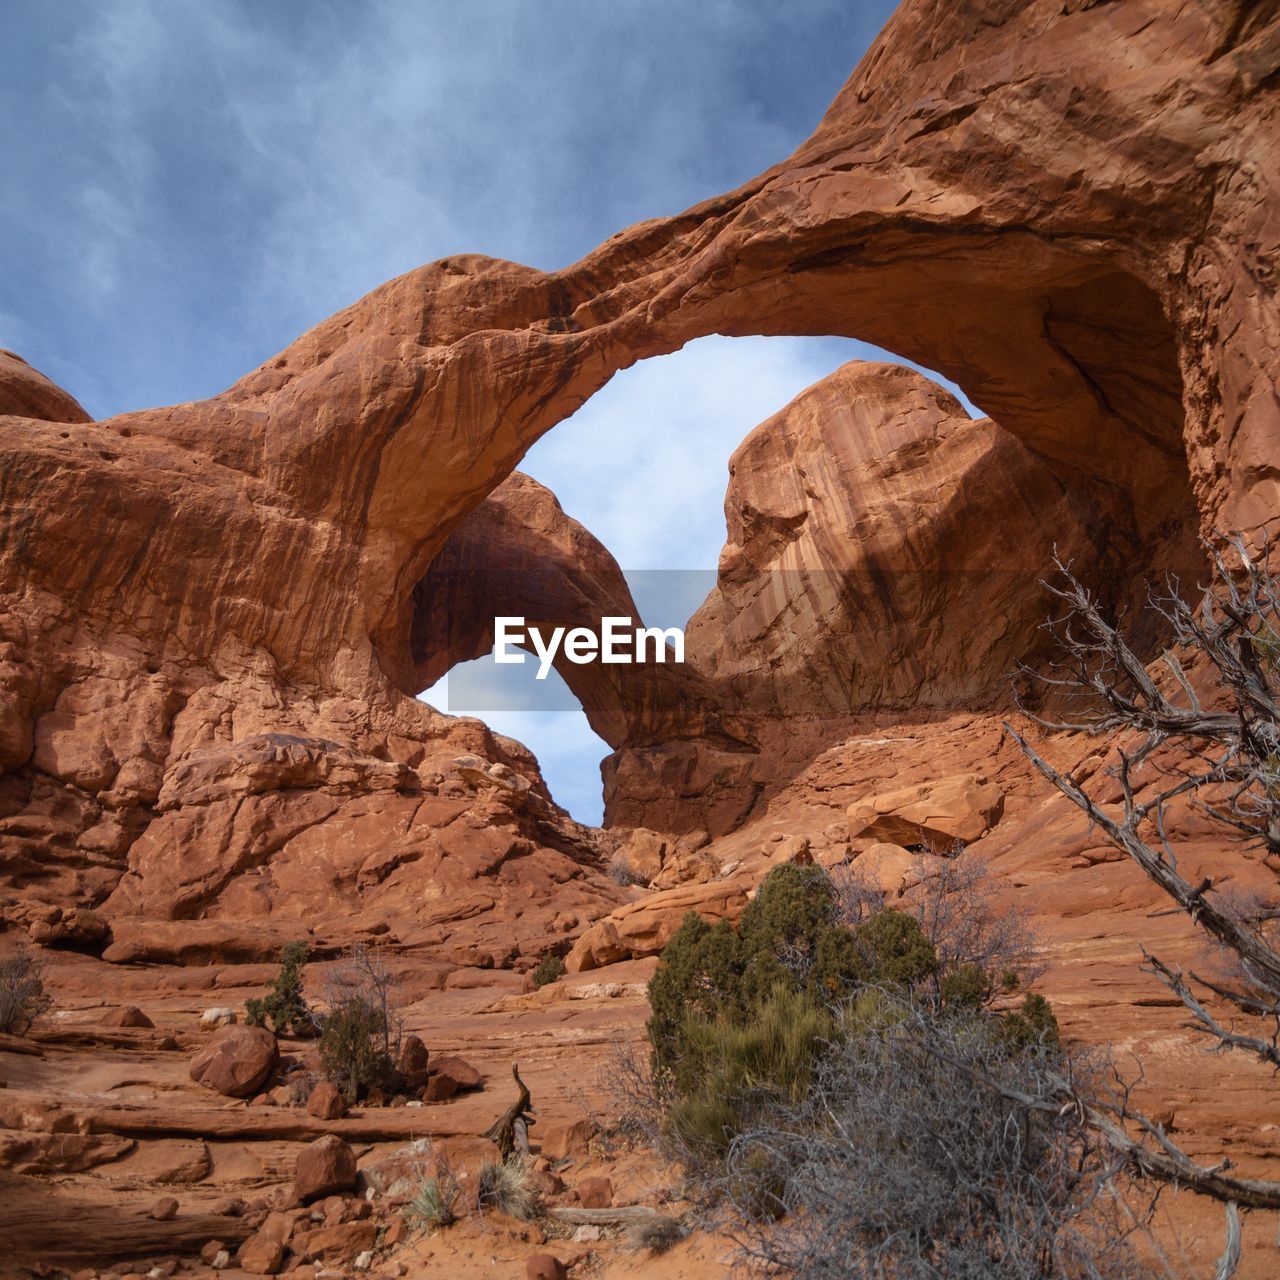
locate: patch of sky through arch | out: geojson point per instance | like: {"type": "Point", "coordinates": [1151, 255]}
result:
{"type": "Point", "coordinates": [643, 465]}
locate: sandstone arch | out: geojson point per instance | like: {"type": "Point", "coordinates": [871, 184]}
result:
{"type": "Point", "coordinates": [1018, 202]}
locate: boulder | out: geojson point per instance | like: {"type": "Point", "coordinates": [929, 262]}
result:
{"type": "Point", "coordinates": [450, 1067]}
{"type": "Point", "coordinates": [220, 1016]}
{"type": "Point", "coordinates": [127, 1015]}
{"type": "Point", "coordinates": [414, 1062]}
{"type": "Point", "coordinates": [687, 866]}
{"type": "Point", "coordinates": [957, 809]}
{"type": "Point", "coordinates": [261, 1255]}
{"type": "Point", "coordinates": [164, 1210]}
{"type": "Point", "coordinates": [237, 1062]}
{"type": "Point", "coordinates": [640, 858]}
{"type": "Point", "coordinates": [326, 1165]}
{"type": "Point", "coordinates": [439, 1089]}
{"type": "Point", "coordinates": [326, 1101]}
{"type": "Point", "coordinates": [792, 849]}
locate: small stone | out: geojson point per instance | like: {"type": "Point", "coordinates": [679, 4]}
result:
{"type": "Point", "coordinates": [165, 1210]}
{"type": "Point", "coordinates": [221, 1260]}
{"type": "Point", "coordinates": [587, 1235]}
{"type": "Point", "coordinates": [211, 1250]}
{"type": "Point", "coordinates": [561, 1142]}
{"type": "Point", "coordinates": [596, 1193]}
{"type": "Point", "coordinates": [545, 1266]}
{"type": "Point", "coordinates": [363, 1261]}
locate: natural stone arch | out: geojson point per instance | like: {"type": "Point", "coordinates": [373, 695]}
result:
{"type": "Point", "coordinates": [944, 209]}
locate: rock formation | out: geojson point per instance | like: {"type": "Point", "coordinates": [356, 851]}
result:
{"type": "Point", "coordinates": [1017, 201]}
{"type": "Point", "coordinates": [214, 616]}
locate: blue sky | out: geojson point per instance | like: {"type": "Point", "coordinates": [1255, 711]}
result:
{"type": "Point", "coordinates": [192, 183]}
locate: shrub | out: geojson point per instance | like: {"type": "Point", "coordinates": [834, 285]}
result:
{"type": "Point", "coordinates": [745, 1066]}
{"type": "Point", "coordinates": [1032, 1026]}
{"type": "Point", "coordinates": [432, 1205]}
{"type": "Point", "coordinates": [790, 936]}
{"type": "Point", "coordinates": [283, 1006]}
{"type": "Point", "coordinates": [22, 994]}
{"type": "Point", "coordinates": [658, 1233]}
{"type": "Point", "coordinates": [505, 1185]}
{"type": "Point", "coordinates": [621, 871]}
{"type": "Point", "coordinates": [927, 1147]}
{"type": "Point", "coordinates": [360, 1034]}
{"type": "Point", "coordinates": [549, 969]}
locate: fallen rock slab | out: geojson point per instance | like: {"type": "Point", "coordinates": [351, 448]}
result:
{"type": "Point", "coordinates": [961, 808]}
{"type": "Point", "coordinates": [643, 928]}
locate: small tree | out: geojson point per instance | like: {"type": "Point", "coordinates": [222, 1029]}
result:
{"type": "Point", "coordinates": [283, 1006]}
{"type": "Point", "coordinates": [361, 1032]}
{"type": "Point", "coordinates": [22, 994]}
{"type": "Point", "coordinates": [1202, 727]}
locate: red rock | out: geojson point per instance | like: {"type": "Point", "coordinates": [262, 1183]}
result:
{"type": "Point", "coordinates": [326, 1101]}
{"type": "Point", "coordinates": [960, 809]}
{"type": "Point", "coordinates": [596, 1193]}
{"type": "Point", "coordinates": [545, 1266]}
{"type": "Point", "coordinates": [210, 1250]}
{"type": "Point", "coordinates": [644, 927]}
{"type": "Point", "coordinates": [450, 1067]}
{"type": "Point", "coordinates": [260, 1255]}
{"type": "Point", "coordinates": [237, 1062]}
{"type": "Point", "coordinates": [568, 1141]}
{"type": "Point", "coordinates": [414, 1061]}
{"type": "Point", "coordinates": [126, 1016]}
{"type": "Point", "coordinates": [339, 1242]}
{"type": "Point", "coordinates": [164, 1210]}
{"type": "Point", "coordinates": [277, 1226]}
{"type": "Point", "coordinates": [439, 1088]}
{"type": "Point", "coordinates": [324, 1166]}
{"type": "Point", "coordinates": [208, 671]}
{"type": "Point", "coordinates": [26, 393]}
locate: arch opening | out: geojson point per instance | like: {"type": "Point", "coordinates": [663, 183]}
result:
{"type": "Point", "coordinates": [732, 705]}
